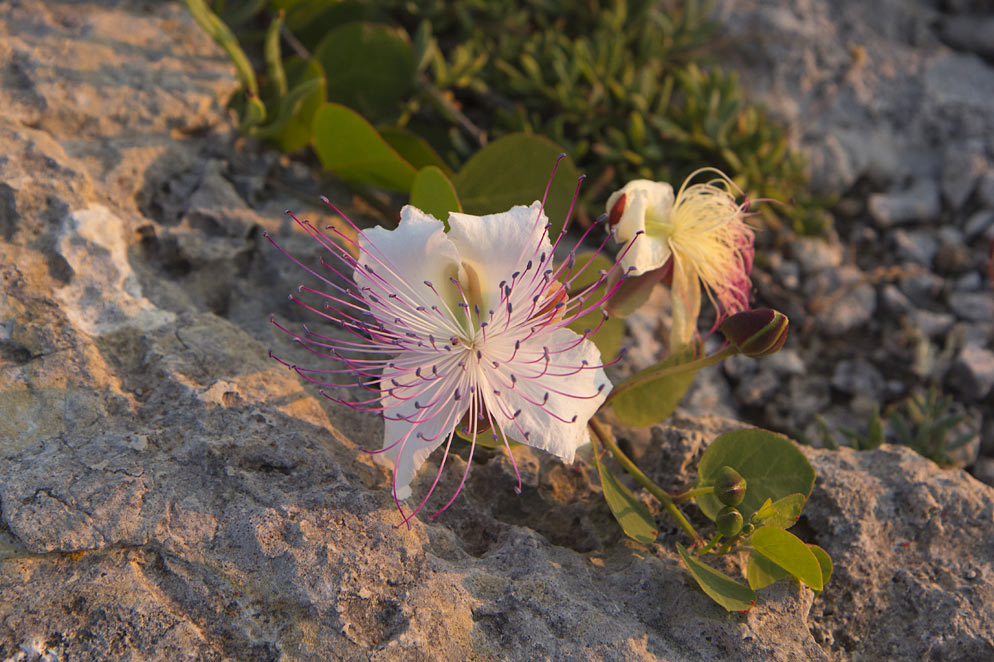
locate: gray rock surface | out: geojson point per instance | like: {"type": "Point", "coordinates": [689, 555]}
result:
{"type": "Point", "coordinates": [167, 492]}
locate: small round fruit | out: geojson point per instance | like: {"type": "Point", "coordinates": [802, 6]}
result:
{"type": "Point", "coordinates": [729, 521]}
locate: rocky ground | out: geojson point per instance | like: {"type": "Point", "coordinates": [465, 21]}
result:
{"type": "Point", "coordinates": [168, 492]}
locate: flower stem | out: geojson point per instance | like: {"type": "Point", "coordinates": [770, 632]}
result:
{"type": "Point", "coordinates": [659, 371]}
{"type": "Point", "coordinates": [605, 438]}
{"type": "Point", "coordinates": [690, 494]}
{"type": "Point", "coordinates": [714, 541]}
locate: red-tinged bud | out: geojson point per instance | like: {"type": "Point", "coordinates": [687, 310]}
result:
{"type": "Point", "coordinates": [756, 333]}
{"type": "Point", "coordinates": [616, 211]}
{"type": "Point", "coordinates": [729, 486]}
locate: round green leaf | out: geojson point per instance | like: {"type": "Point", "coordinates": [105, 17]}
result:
{"type": "Point", "coordinates": [369, 67]}
{"type": "Point", "coordinates": [587, 270]}
{"type": "Point", "coordinates": [721, 588]}
{"type": "Point", "coordinates": [790, 553]}
{"type": "Point", "coordinates": [413, 148]}
{"type": "Point", "coordinates": [433, 193]}
{"type": "Point", "coordinates": [655, 400]}
{"type": "Point", "coordinates": [762, 572]}
{"type": "Point", "coordinates": [349, 146]}
{"type": "Point", "coordinates": [514, 171]}
{"type": "Point", "coordinates": [771, 465]}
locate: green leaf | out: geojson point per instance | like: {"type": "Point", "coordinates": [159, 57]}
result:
{"type": "Point", "coordinates": [771, 465]}
{"type": "Point", "coordinates": [655, 400]}
{"type": "Point", "coordinates": [721, 588]}
{"type": "Point", "coordinates": [413, 148]}
{"type": "Point", "coordinates": [349, 146]}
{"type": "Point", "coordinates": [369, 67]}
{"type": "Point", "coordinates": [761, 572]}
{"type": "Point", "coordinates": [790, 553]}
{"type": "Point", "coordinates": [825, 561]}
{"type": "Point", "coordinates": [514, 171]}
{"type": "Point", "coordinates": [297, 130]}
{"type": "Point", "coordinates": [433, 193]}
{"type": "Point", "coordinates": [310, 20]}
{"type": "Point", "coordinates": [631, 513]}
{"type": "Point", "coordinates": [612, 331]}
{"type": "Point", "coordinates": [786, 511]}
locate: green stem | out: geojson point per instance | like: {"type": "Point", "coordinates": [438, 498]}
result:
{"type": "Point", "coordinates": [710, 545]}
{"type": "Point", "coordinates": [690, 494]}
{"type": "Point", "coordinates": [605, 438]}
{"type": "Point", "coordinates": [654, 373]}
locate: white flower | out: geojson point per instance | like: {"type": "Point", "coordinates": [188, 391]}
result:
{"type": "Point", "coordinates": [701, 235]}
{"type": "Point", "coordinates": [463, 329]}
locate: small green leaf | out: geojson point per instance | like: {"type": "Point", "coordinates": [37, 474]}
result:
{"type": "Point", "coordinates": [790, 553]}
{"type": "Point", "coordinates": [349, 146]}
{"type": "Point", "coordinates": [433, 193]}
{"type": "Point", "coordinates": [587, 269]}
{"type": "Point", "coordinates": [786, 511]}
{"type": "Point", "coordinates": [369, 67]}
{"type": "Point", "coordinates": [514, 171]}
{"type": "Point", "coordinates": [771, 465]}
{"type": "Point", "coordinates": [721, 588]}
{"type": "Point", "coordinates": [825, 561]}
{"type": "Point", "coordinates": [761, 572]}
{"type": "Point", "coordinates": [766, 510]}
{"type": "Point", "coordinates": [655, 400]}
{"type": "Point", "coordinates": [413, 148]}
{"type": "Point", "coordinates": [631, 513]}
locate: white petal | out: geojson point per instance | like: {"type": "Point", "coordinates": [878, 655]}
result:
{"type": "Point", "coordinates": [497, 245]}
{"type": "Point", "coordinates": [423, 431]}
{"type": "Point", "coordinates": [545, 430]}
{"type": "Point", "coordinates": [402, 259]}
{"type": "Point", "coordinates": [647, 204]}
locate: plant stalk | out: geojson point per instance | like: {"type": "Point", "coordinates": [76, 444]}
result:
{"type": "Point", "coordinates": [605, 438]}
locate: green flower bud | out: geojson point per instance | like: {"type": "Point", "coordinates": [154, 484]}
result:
{"type": "Point", "coordinates": [729, 486]}
{"type": "Point", "coordinates": [747, 529]}
{"type": "Point", "coordinates": [729, 521]}
{"type": "Point", "coordinates": [756, 333]}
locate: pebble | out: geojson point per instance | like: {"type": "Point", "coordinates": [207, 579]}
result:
{"type": "Point", "coordinates": [920, 202]}
{"type": "Point", "coordinates": [857, 377]}
{"type": "Point", "coordinates": [849, 309]}
{"type": "Point", "coordinates": [970, 282]}
{"type": "Point", "coordinates": [740, 367]}
{"type": "Point", "coordinates": [978, 222]}
{"type": "Point", "coordinates": [932, 324]}
{"type": "Point", "coordinates": [814, 254]}
{"type": "Point", "coordinates": [893, 301]}
{"type": "Point", "coordinates": [757, 390]}
{"type": "Point", "coordinates": [973, 306]}
{"type": "Point", "coordinates": [972, 373]}
{"type": "Point", "coordinates": [921, 286]}
{"type": "Point", "coordinates": [985, 189]}
{"type": "Point", "coordinates": [919, 247]}
{"type": "Point", "coordinates": [786, 362]}
{"type": "Point", "coordinates": [962, 165]}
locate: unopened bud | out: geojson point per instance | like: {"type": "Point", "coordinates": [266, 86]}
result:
{"type": "Point", "coordinates": [756, 333]}
{"type": "Point", "coordinates": [729, 521]}
{"type": "Point", "coordinates": [747, 529]}
{"type": "Point", "coordinates": [729, 486]}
